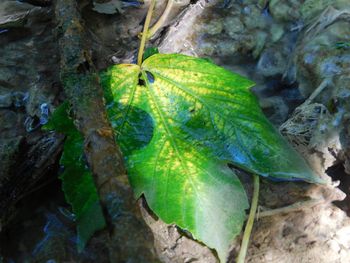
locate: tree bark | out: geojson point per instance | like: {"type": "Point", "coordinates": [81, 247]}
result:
{"type": "Point", "coordinates": [131, 239]}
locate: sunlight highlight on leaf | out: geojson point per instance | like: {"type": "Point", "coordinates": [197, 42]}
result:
{"type": "Point", "coordinates": [201, 117]}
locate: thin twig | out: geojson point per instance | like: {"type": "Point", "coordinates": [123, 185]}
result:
{"type": "Point", "coordinates": [290, 208]}
{"type": "Point", "coordinates": [326, 82]}
{"type": "Point", "coordinates": [248, 229]}
{"type": "Point", "coordinates": [161, 20]}
{"type": "Point", "coordinates": [145, 32]}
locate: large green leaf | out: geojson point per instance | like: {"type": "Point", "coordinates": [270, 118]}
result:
{"type": "Point", "coordinates": [218, 108]}
{"type": "Point", "coordinates": [77, 181]}
{"type": "Point", "coordinates": [200, 117]}
{"type": "Point", "coordinates": [182, 181]}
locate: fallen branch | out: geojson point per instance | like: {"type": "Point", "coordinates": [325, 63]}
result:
{"type": "Point", "coordinates": [131, 240]}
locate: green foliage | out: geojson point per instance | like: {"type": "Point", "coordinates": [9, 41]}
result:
{"type": "Point", "coordinates": [342, 45]}
{"type": "Point", "coordinates": [179, 121]}
{"type": "Point", "coordinates": [77, 181]}
{"type": "Point", "coordinates": [150, 52]}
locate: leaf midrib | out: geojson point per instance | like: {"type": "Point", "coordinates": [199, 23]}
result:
{"type": "Point", "coordinates": [174, 145]}
{"type": "Point", "coordinates": [170, 136]}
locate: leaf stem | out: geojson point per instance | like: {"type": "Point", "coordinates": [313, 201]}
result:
{"type": "Point", "coordinates": [162, 19]}
{"type": "Point", "coordinates": [145, 32]}
{"type": "Point", "coordinates": [249, 226]}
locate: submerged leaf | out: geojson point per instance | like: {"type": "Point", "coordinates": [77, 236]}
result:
{"type": "Point", "coordinates": [201, 116]}
{"type": "Point", "coordinates": [77, 182]}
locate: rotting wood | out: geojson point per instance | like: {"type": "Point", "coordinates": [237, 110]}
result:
{"type": "Point", "coordinates": [131, 239]}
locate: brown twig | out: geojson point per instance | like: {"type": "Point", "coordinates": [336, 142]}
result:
{"type": "Point", "coordinates": [132, 241]}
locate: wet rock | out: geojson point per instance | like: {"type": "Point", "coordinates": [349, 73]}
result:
{"type": "Point", "coordinates": [11, 123]}
{"type": "Point", "coordinates": [108, 7]}
{"type": "Point", "coordinates": [254, 17]}
{"type": "Point", "coordinates": [15, 99]}
{"type": "Point", "coordinates": [44, 234]}
{"type": "Point", "coordinates": [214, 27]}
{"type": "Point", "coordinates": [271, 63]}
{"type": "Point", "coordinates": [29, 69]}
{"type": "Point", "coordinates": [206, 47]}
{"type": "Point", "coordinates": [275, 108]}
{"type": "Point", "coordinates": [318, 57]}
{"type": "Point", "coordinates": [246, 28]}
{"type": "Point", "coordinates": [16, 20]}
{"type": "Point", "coordinates": [233, 26]}
{"type": "Point", "coordinates": [312, 8]}
{"type": "Point", "coordinates": [28, 58]}
{"type": "Point", "coordinates": [285, 10]}
{"type": "Point", "coordinates": [259, 43]}
{"type": "Point", "coordinates": [59, 242]}
{"type": "Point", "coordinates": [226, 47]}
{"type": "Point", "coordinates": [14, 13]}
{"type": "Point", "coordinates": [276, 32]}
{"type": "Point", "coordinates": [5, 100]}
{"type": "Point", "coordinates": [9, 149]}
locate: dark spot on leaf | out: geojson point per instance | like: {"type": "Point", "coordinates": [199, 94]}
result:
{"type": "Point", "coordinates": [150, 77]}
{"type": "Point", "coordinates": [134, 134]}
{"type": "Point", "coordinates": [141, 81]}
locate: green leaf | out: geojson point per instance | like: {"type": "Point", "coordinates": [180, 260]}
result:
{"type": "Point", "coordinates": [201, 116]}
{"type": "Point", "coordinates": [59, 120]}
{"type": "Point", "coordinates": [150, 52]}
{"type": "Point", "coordinates": [77, 181]}
{"type": "Point", "coordinates": [182, 181]}
{"type": "Point", "coordinates": [218, 109]}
